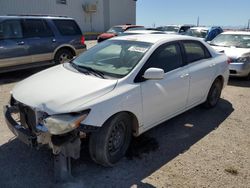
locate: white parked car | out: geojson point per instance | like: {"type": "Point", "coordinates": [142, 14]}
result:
{"type": "Point", "coordinates": [141, 32]}
{"type": "Point", "coordinates": [118, 89]}
{"type": "Point", "coordinates": [236, 45]}
{"type": "Point", "coordinates": [174, 29]}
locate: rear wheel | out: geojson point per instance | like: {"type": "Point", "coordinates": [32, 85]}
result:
{"type": "Point", "coordinates": [100, 40]}
{"type": "Point", "coordinates": [110, 143]}
{"type": "Point", "coordinates": [214, 94]}
{"type": "Point", "coordinates": [63, 56]}
{"type": "Point", "coordinates": [248, 77]}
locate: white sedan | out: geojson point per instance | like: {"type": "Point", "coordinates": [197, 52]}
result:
{"type": "Point", "coordinates": [118, 89]}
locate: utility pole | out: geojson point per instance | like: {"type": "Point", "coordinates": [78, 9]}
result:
{"type": "Point", "coordinates": [198, 21]}
{"type": "Point", "coordinates": [248, 25]}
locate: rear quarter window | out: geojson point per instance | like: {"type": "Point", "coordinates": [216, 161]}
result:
{"type": "Point", "coordinates": [67, 27]}
{"type": "Point", "coordinates": [195, 51]}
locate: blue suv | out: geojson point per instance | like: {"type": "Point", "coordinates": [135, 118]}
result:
{"type": "Point", "coordinates": [29, 41]}
{"type": "Point", "coordinates": [206, 33]}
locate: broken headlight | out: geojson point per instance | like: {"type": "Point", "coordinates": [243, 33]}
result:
{"type": "Point", "coordinates": [64, 123]}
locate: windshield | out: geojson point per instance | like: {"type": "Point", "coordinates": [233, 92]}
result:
{"type": "Point", "coordinates": [115, 58]}
{"type": "Point", "coordinates": [115, 30]}
{"type": "Point", "coordinates": [169, 28]}
{"type": "Point", "coordinates": [201, 33]}
{"type": "Point", "coordinates": [228, 40]}
{"type": "Point", "coordinates": [135, 28]}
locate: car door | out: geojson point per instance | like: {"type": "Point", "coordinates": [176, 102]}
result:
{"type": "Point", "coordinates": [13, 50]}
{"type": "Point", "coordinates": [40, 39]}
{"type": "Point", "coordinates": [201, 70]}
{"type": "Point", "coordinates": [164, 98]}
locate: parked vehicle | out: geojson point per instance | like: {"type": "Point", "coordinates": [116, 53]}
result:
{"type": "Point", "coordinates": [116, 30]}
{"type": "Point", "coordinates": [141, 32]}
{"type": "Point", "coordinates": [174, 29]}
{"type": "Point", "coordinates": [236, 45]}
{"type": "Point", "coordinates": [205, 33]}
{"type": "Point", "coordinates": [116, 89]}
{"type": "Point", "coordinates": [29, 41]}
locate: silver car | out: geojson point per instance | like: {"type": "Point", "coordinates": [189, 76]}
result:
{"type": "Point", "coordinates": [236, 45]}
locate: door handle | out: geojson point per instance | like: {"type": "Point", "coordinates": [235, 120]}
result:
{"type": "Point", "coordinates": [184, 75]}
{"type": "Point", "coordinates": [20, 43]}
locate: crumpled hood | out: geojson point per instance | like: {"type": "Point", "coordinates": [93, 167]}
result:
{"type": "Point", "coordinates": [232, 52]}
{"type": "Point", "coordinates": [60, 90]}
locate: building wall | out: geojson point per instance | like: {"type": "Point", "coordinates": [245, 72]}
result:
{"type": "Point", "coordinates": [109, 12]}
{"type": "Point", "coordinates": [122, 12]}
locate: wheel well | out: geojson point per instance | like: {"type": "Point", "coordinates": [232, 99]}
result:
{"type": "Point", "coordinates": [67, 48]}
{"type": "Point", "coordinates": [135, 124]}
{"type": "Point", "coordinates": [220, 78]}
{"type": "Point", "coordinates": [134, 120]}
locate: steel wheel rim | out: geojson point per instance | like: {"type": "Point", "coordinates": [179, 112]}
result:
{"type": "Point", "coordinates": [215, 95]}
{"type": "Point", "coordinates": [117, 138]}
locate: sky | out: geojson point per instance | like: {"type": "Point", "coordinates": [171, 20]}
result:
{"type": "Point", "coordinates": [211, 12]}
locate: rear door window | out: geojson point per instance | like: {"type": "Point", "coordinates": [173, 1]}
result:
{"type": "Point", "coordinates": [36, 28]}
{"type": "Point", "coordinates": [195, 51]}
{"type": "Point", "coordinates": [67, 27]}
{"type": "Point", "coordinates": [10, 29]}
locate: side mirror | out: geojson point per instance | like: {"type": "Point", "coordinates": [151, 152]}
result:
{"type": "Point", "coordinates": [154, 74]}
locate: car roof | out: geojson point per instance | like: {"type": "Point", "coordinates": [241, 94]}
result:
{"type": "Point", "coordinates": [200, 28]}
{"type": "Point", "coordinates": [142, 31]}
{"type": "Point", "coordinates": [173, 25]}
{"type": "Point", "coordinates": [168, 26]}
{"type": "Point", "coordinates": [127, 26]}
{"type": "Point", "coordinates": [155, 38]}
{"type": "Point", "coordinates": [34, 17]}
{"type": "Point", "coordinates": [206, 28]}
{"type": "Point", "coordinates": [237, 32]}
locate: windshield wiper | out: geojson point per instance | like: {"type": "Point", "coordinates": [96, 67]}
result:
{"type": "Point", "coordinates": [85, 69]}
{"type": "Point", "coordinates": [214, 44]}
{"type": "Point", "coordinates": [218, 45]}
{"type": "Point", "coordinates": [78, 68]}
{"type": "Point", "coordinates": [96, 72]}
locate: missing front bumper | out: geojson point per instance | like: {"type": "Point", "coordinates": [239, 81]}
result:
{"type": "Point", "coordinates": [23, 134]}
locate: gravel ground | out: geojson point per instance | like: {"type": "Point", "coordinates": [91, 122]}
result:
{"type": "Point", "coordinates": [200, 148]}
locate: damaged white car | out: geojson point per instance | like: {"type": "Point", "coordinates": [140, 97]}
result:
{"type": "Point", "coordinates": [118, 89]}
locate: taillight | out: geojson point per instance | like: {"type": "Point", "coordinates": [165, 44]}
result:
{"type": "Point", "coordinates": [82, 40]}
{"type": "Point", "coordinates": [229, 61]}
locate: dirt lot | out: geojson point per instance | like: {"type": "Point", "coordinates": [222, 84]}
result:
{"type": "Point", "coordinates": [200, 148]}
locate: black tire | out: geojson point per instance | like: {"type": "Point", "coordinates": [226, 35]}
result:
{"type": "Point", "coordinates": [248, 77]}
{"type": "Point", "coordinates": [63, 56]}
{"type": "Point", "coordinates": [100, 40]}
{"type": "Point", "coordinates": [214, 94]}
{"type": "Point", "coordinates": [110, 143]}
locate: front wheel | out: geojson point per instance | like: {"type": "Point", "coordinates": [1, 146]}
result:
{"type": "Point", "coordinates": [110, 143]}
{"type": "Point", "coordinates": [214, 94]}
